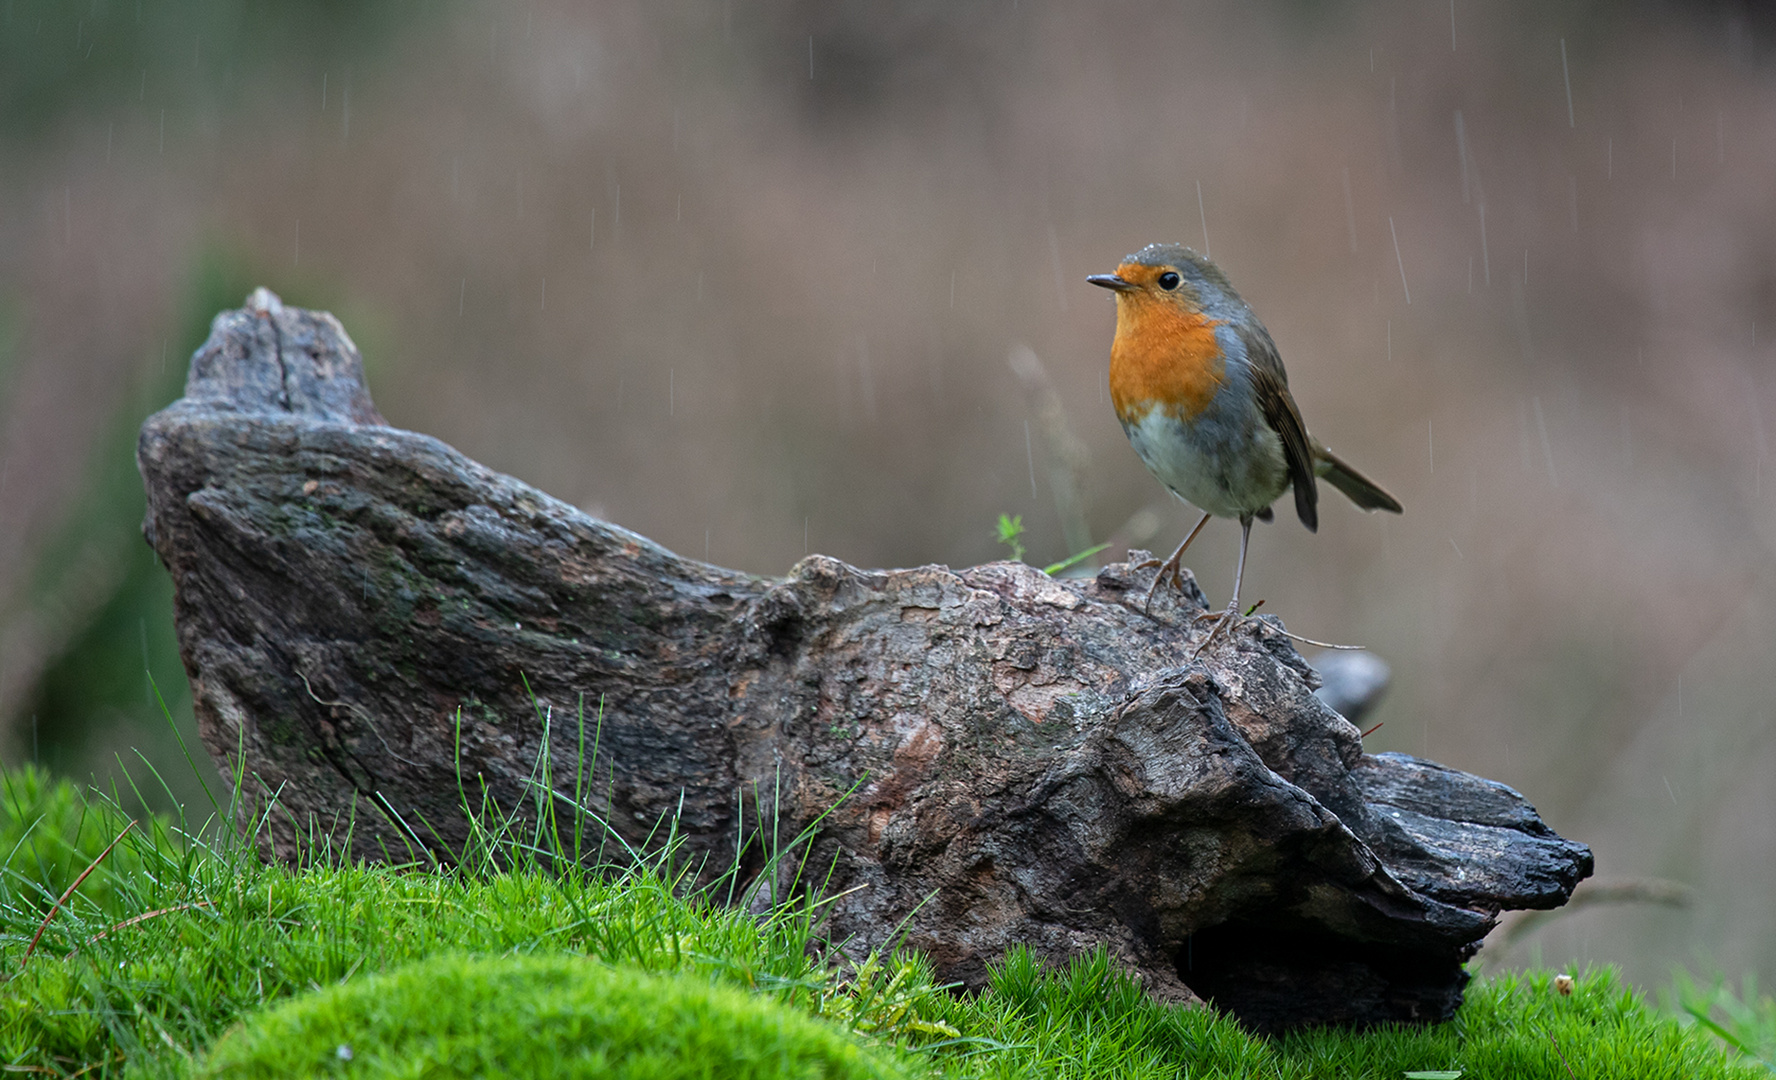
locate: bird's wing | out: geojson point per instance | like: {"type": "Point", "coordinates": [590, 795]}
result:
{"type": "Point", "coordinates": [1271, 384]}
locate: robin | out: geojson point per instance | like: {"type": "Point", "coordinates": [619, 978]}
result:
{"type": "Point", "coordinates": [1204, 399]}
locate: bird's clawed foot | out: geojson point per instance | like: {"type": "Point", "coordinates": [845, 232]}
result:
{"type": "Point", "coordinates": [1172, 568]}
{"type": "Point", "coordinates": [1222, 622]}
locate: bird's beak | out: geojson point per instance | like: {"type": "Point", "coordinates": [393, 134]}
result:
{"type": "Point", "coordinates": [1111, 281]}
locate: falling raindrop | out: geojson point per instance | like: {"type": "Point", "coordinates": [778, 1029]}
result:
{"type": "Point", "coordinates": [1451, 25]}
{"type": "Point", "coordinates": [592, 231]}
{"type": "Point", "coordinates": [1350, 210]}
{"type": "Point", "coordinates": [1526, 268]}
{"type": "Point", "coordinates": [810, 57]}
{"type": "Point", "coordinates": [1030, 456]}
{"type": "Point", "coordinates": [1566, 74]}
{"type": "Point", "coordinates": [1547, 447]}
{"type": "Point", "coordinates": [323, 91]}
{"type": "Point", "coordinates": [1208, 252]}
{"type": "Point", "coordinates": [163, 131]}
{"type": "Point", "coordinates": [543, 301]}
{"type": "Point", "coordinates": [1461, 149]}
{"type": "Point", "coordinates": [1485, 259]}
{"type": "Point", "coordinates": [1674, 157]}
{"type": "Point", "coordinates": [1405, 287]}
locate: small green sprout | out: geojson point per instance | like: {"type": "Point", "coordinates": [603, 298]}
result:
{"type": "Point", "coordinates": [1011, 534]}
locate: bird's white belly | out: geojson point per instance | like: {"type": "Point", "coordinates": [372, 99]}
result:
{"type": "Point", "coordinates": [1228, 470]}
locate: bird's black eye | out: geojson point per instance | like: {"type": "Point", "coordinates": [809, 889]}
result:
{"type": "Point", "coordinates": [1169, 281]}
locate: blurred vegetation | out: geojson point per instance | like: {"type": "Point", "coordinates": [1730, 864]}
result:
{"type": "Point", "coordinates": [51, 832]}
{"type": "Point", "coordinates": [95, 703]}
{"type": "Point", "coordinates": [96, 587]}
{"type": "Point", "coordinates": [177, 54]}
{"type": "Point", "coordinates": [1744, 1019]}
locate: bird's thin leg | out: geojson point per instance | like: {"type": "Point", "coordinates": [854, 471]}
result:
{"type": "Point", "coordinates": [1170, 566]}
{"type": "Point", "coordinates": [1239, 573]}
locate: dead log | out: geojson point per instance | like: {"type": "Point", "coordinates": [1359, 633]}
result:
{"type": "Point", "coordinates": [369, 616]}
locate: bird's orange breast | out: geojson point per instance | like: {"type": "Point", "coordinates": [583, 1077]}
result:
{"type": "Point", "coordinates": [1163, 355]}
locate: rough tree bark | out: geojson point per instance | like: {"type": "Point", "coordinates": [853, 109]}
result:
{"type": "Point", "coordinates": [1002, 758]}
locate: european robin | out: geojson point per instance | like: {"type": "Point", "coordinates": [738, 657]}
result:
{"type": "Point", "coordinates": [1204, 399]}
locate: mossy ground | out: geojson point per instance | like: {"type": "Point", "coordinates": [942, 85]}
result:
{"type": "Point", "coordinates": [539, 1017]}
{"type": "Point", "coordinates": [180, 943]}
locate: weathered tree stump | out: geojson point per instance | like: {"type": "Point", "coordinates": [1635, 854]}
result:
{"type": "Point", "coordinates": [1002, 757]}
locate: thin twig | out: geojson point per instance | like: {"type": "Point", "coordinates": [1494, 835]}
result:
{"type": "Point", "coordinates": [1324, 644]}
{"type": "Point", "coordinates": [133, 920]}
{"type": "Point", "coordinates": [1561, 1053]}
{"type": "Point", "coordinates": [94, 1065]}
{"type": "Point", "coordinates": [94, 865]}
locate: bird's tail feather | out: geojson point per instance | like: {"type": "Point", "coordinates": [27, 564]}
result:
{"type": "Point", "coordinates": [1357, 487]}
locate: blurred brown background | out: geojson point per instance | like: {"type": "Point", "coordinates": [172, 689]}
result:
{"type": "Point", "coordinates": [743, 276]}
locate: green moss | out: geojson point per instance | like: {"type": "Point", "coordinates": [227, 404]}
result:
{"type": "Point", "coordinates": [198, 943]}
{"type": "Point", "coordinates": [472, 708]}
{"type": "Point", "coordinates": [537, 1017]}
{"type": "Point", "coordinates": [281, 731]}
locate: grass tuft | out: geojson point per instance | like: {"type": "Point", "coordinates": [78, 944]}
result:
{"type": "Point", "coordinates": [183, 934]}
